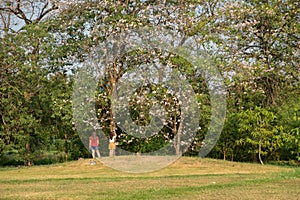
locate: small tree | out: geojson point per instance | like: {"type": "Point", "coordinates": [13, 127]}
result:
{"type": "Point", "coordinates": [258, 129]}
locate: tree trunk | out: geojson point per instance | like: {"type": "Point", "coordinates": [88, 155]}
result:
{"type": "Point", "coordinates": [66, 147]}
{"type": "Point", "coordinates": [28, 160]}
{"type": "Point", "coordinates": [113, 79]}
{"type": "Point", "coordinates": [259, 153]}
{"type": "Point", "coordinates": [232, 153]}
{"type": "Point", "coordinates": [178, 138]}
{"type": "Point", "coordinates": [174, 131]}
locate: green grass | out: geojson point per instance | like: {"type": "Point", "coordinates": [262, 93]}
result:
{"type": "Point", "coordinates": [187, 178]}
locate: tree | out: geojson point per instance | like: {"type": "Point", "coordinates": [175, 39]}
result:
{"type": "Point", "coordinates": [258, 129]}
{"type": "Point", "coordinates": [23, 81]}
{"type": "Point", "coordinates": [254, 44]}
{"type": "Point", "coordinates": [133, 15]}
{"type": "Point", "coordinates": [259, 41]}
{"type": "Point", "coordinates": [289, 118]}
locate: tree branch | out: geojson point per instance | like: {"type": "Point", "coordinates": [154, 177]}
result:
{"type": "Point", "coordinates": [44, 13]}
{"type": "Point", "coordinates": [18, 13]}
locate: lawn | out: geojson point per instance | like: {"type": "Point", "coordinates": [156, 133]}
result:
{"type": "Point", "coordinates": [187, 178]}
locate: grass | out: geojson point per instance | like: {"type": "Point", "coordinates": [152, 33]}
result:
{"type": "Point", "coordinates": [187, 178]}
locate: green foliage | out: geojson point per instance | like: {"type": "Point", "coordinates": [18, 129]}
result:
{"type": "Point", "coordinates": [253, 43]}
{"type": "Point", "coordinates": [258, 128]}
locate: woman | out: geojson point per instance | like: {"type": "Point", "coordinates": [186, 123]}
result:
{"type": "Point", "coordinates": [93, 144]}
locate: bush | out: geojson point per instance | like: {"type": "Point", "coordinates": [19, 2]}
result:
{"type": "Point", "coordinates": [290, 163]}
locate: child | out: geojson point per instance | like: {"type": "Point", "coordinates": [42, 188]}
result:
{"type": "Point", "coordinates": [112, 144]}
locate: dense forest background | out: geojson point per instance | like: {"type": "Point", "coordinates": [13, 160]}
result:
{"type": "Point", "coordinates": [255, 45]}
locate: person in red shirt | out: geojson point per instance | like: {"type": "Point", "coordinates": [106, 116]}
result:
{"type": "Point", "coordinates": [93, 145]}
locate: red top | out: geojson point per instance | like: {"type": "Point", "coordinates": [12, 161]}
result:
{"type": "Point", "coordinates": [94, 141]}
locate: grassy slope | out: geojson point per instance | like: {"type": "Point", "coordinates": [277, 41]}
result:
{"type": "Point", "coordinates": [187, 178]}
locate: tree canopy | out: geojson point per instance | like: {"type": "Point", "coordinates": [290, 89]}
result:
{"type": "Point", "coordinates": [254, 45]}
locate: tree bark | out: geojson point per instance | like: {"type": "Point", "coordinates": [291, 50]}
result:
{"type": "Point", "coordinates": [113, 81]}
{"type": "Point", "coordinates": [178, 138]}
{"type": "Point", "coordinates": [259, 153]}
{"type": "Point", "coordinates": [66, 147]}
{"type": "Point", "coordinates": [28, 160]}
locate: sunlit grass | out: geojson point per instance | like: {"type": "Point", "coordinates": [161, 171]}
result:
{"type": "Point", "coordinates": [187, 178]}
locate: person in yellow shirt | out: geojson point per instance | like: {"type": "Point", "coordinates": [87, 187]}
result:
{"type": "Point", "coordinates": [112, 144]}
